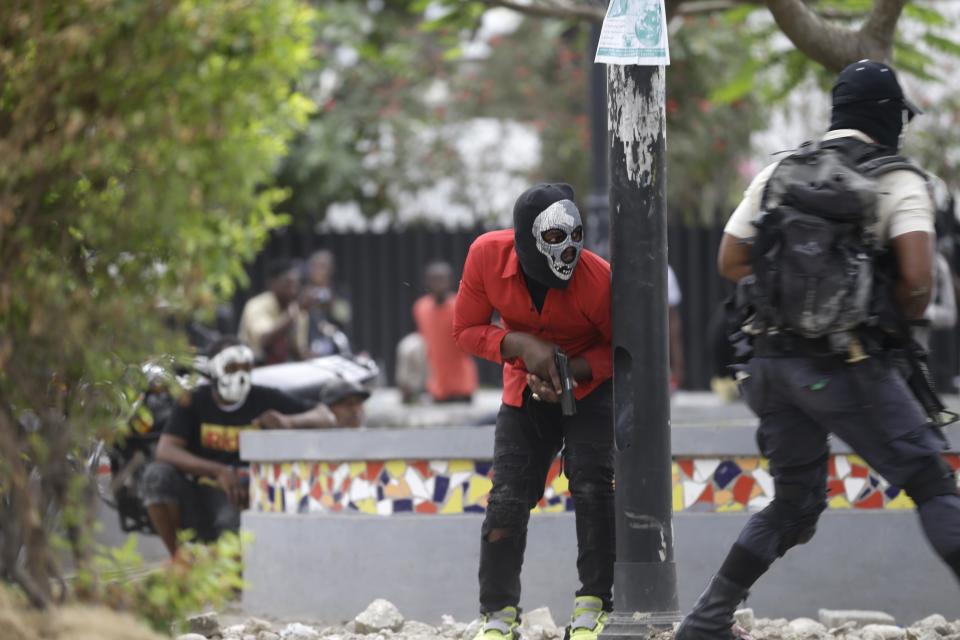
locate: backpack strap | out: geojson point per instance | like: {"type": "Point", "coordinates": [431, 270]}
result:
{"type": "Point", "coordinates": [873, 160]}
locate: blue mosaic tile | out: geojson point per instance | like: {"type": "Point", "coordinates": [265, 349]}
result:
{"type": "Point", "coordinates": [304, 506]}
{"type": "Point", "coordinates": [473, 508]}
{"type": "Point", "coordinates": [440, 487]}
{"type": "Point", "coordinates": [555, 500]}
{"type": "Point", "coordinates": [379, 492]}
{"type": "Point", "coordinates": [337, 495]}
{"type": "Point", "coordinates": [892, 492]}
{"type": "Point", "coordinates": [402, 505]}
{"type": "Point", "coordinates": [726, 472]}
{"type": "Point", "coordinates": [483, 467]}
{"type": "Point", "coordinates": [569, 506]}
{"type": "Point", "coordinates": [384, 477]}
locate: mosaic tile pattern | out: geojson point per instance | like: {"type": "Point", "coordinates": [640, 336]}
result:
{"type": "Point", "coordinates": [462, 486]}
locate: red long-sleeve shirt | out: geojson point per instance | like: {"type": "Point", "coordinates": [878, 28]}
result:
{"type": "Point", "coordinates": [577, 319]}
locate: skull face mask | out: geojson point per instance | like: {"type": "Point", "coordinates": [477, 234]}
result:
{"type": "Point", "coordinates": [548, 234]}
{"type": "Point", "coordinates": [559, 233]}
{"type": "Point", "coordinates": [230, 370]}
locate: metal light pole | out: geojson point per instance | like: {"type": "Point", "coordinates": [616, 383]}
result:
{"type": "Point", "coordinates": [645, 580]}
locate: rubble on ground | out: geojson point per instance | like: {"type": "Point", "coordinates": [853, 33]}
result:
{"type": "Point", "coordinates": [381, 620]}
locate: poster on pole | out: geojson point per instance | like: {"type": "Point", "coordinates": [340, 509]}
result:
{"type": "Point", "coordinates": [634, 32]}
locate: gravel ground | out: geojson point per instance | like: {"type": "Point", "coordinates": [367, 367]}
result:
{"type": "Point", "coordinates": [382, 621]}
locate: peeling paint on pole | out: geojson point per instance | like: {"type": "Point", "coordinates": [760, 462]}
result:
{"type": "Point", "coordinates": [636, 118]}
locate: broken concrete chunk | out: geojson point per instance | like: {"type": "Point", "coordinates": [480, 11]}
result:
{"type": "Point", "coordinates": [745, 618]}
{"type": "Point", "coordinates": [883, 632]}
{"type": "Point", "coordinates": [256, 625]}
{"type": "Point", "coordinates": [205, 624]}
{"type": "Point", "coordinates": [807, 628]}
{"type": "Point", "coordinates": [268, 635]}
{"type": "Point", "coordinates": [838, 617]}
{"type": "Point", "coordinates": [381, 615]}
{"type": "Point", "coordinates": [297, 631]}
{"type": "Point", "coordinates": [191, 636]}
{"type": "Point", "coordinates": [538, 617]}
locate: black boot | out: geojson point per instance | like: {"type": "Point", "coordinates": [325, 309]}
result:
{"type": "Point", "coordinates": [712, 615]}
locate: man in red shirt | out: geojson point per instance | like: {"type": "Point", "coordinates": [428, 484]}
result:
{"type": "Point", "coordinates": [453, 373]}
{"type": "Point", "coordinates": [551, 294]}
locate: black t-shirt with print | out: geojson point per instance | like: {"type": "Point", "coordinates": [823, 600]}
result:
{"type": "Point", "coordinates": [213, 433]}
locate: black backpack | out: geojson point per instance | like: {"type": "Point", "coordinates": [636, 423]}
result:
{"type": "Point", "coordinates": [814, 254]}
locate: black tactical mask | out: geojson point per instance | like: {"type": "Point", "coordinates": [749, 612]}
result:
{"type": "Point", "coordinates": [548, 234]}
{"type": "Point", "coordinates": [868, 97]}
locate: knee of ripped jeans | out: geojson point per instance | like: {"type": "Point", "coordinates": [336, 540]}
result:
{"type": "Point", "coordinates": [507, 511]}
{"type": "Point", "coordinates": [589, 468]}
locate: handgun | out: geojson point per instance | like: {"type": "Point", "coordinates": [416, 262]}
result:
{"type": "Point", "coordinates": [568, 403]}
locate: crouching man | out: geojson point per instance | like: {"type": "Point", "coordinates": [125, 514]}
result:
{"type": "Point", "coordinates": [551, 295]}
{"type": "Point", "coordinates": [196, 481]}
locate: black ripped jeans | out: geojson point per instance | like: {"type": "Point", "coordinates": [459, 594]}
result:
{"type": "Point", "coordinates": [527, 441]}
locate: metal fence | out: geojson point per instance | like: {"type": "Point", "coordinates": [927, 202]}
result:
{"type": "Point", "coordinates": [382, 275]}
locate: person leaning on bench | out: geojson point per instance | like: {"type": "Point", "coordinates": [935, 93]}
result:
{"type": "Point", "coordinates": [196, 481]}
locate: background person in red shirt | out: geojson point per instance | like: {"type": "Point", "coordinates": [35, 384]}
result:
{"type": "Point", "coordinates": [452, 373]}
{"type": "Point", "coordinates": [551, 294]}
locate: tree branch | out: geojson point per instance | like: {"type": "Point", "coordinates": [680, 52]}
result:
{"type": "Point", "coordinates": [832, 46]}
{"type": "Point", "coordinates": [551, 9]}
{"type": "Point", "coordinates": [879, 29]}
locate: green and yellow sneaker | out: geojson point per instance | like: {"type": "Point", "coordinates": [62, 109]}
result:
{"type": "Point", "coordinates": [500, 625]}
{"type": "Point", "coordinates": [587, 620]}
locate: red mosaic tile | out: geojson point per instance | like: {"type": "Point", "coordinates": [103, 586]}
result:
{"type": "Point", "coordinates": [743, 488]}
{"type": "Point", "coordinates": [373, 470]}
{"type": "Point", "coordinates": [873, 501]}
{"type": "Point", "coordinates": [554, 471]}
{"type": "Point", "coordinates": [836, 488]}
{"type": "Point", "coordinates": [337, 506]}
{"type": "Point", "coordinates": [859, 471]}
{"type": "Point", "coordinates": [426, 507]}
{"type": "Point", "coordinates": [316, 492]}
{"type": "Point", "coordinates": [831, 467]}
{"type": "Point", "coordinates": [686, 466]}
{"type": "Point", "coordinates": [707, 495]}
{"type": "Point", "coordinates": [276, 472]}
{"type": "Point", "coordinates": [345, 487]}
{"type": "Point", "coordinates": [423, 468]}
{"type": "Point", "coordinates": [953, 460]}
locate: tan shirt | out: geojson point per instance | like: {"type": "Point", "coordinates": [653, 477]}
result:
{"type": "Point", "coordinates": [261, 315]}
{"type": "Point", "coordinates": [904, 204]}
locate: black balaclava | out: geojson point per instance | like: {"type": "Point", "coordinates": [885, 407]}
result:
{"type": "Point", "coordinates": [868, 97]}
{"type": "Point", "coordinates": [539, 208]}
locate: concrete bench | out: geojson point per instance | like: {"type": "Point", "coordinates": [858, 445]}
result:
{"type": "Point", "coordinates": [340, 517]}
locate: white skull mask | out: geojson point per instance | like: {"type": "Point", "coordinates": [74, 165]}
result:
{"type": "Point", "coordinates": [564, 216]}
{"type": "Point", "coordinates": [230, 370]}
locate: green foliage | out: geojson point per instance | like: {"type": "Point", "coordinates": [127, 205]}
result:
{"type": "Point", "coordinates": [137, 140]}
{"type": "Point", "coordinates": [774, 68]}
{"type": "Point", "coordinates": [203, 576]}
{"type": "Point", "coordinates": [375, 134]}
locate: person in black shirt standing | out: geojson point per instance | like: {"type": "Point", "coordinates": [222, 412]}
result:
{"type": "Point", "coordinates": [196, 481]}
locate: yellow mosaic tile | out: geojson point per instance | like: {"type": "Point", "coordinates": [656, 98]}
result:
{"type": "Point", "coordinates": [368, 505]}
{"type": "Point", "coordinates": [356, 468]}
{"type": "Point", "coordinates": [747, 464]}
{"type": "Point", "coordinates": [855, 459]}
{"type": "Point", "coordinates": [396, 468]}
{"type": "Point", "coordinates": [730, 507]}
{"type": "Point", "coordinates": [902, 501]}
{"type": "Point", "coordinates": [454, 502]}
{"type": "Point", "coordinates": [479, 487]}
{"type": "Point", "coordinates": [460, 466]}
{"type": "Point", "coordinates": [839, 502]}
{"type": "Point", "coordinates": [677, 497]}
{"type": "Point", "coordinates": [560, 485]}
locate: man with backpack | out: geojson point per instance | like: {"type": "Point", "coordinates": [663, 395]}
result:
{"type": "Point", "coordinates": [832, 249]}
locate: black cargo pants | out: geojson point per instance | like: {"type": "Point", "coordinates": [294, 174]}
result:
{"type": "Point", "coordinates": [527, 441]}
{"type": "Point", "coordinates": [800, 401]}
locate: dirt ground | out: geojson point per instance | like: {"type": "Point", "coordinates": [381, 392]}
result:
{"type": "Point", "coordinates": [71, 622]}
